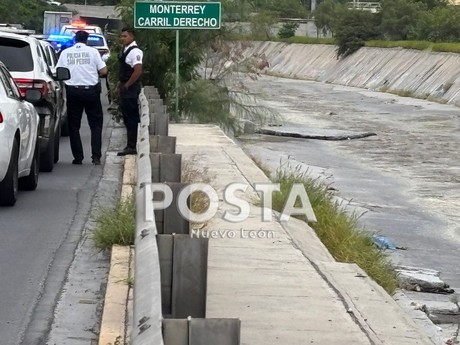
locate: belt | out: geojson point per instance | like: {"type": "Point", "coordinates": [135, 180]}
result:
{"type": "Point", "coordinates": [85, 87]}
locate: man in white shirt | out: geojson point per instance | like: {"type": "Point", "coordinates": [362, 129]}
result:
{"type": "Point", "coordinates": [83, 93]}
{"type": "Point", "coordinates": [129, 87]}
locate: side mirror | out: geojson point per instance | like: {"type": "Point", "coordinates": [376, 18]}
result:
{"type": "Point", "coordinates": [33, 96]}
{"type": "Point", "coordinates": [62, 73]}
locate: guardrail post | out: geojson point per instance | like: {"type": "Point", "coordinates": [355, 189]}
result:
{"type": "Point", "coordinates": [201, 332]}
{"type": "Point", "coordinates": [166, 167]}
{"type": "Point", "coordinates": [170, 220]}
{"type": "Point", "coordinates": [173, 220]}
{"type": "Point", "coordinates": [183, 266]}
{"type": "Point", "coordinates": [162, 144]}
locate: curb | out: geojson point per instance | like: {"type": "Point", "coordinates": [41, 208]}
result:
{"type": "Point", "coordinates": [115, 312]}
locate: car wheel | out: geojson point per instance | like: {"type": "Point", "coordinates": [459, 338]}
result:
{"type": "Point", "coordinates": [47, 158]}
{"type": "Point", "coordinates": [30, 182]}
{"type": "Point", "coordinates": [65, 128]}
{"type": "Point", "coordinates": [9, 185]}
{"type": "Point", "coordinates": [57, 139]}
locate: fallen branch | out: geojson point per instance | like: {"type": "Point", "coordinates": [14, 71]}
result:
{"type": "Point", "coordinates": [318, 137]}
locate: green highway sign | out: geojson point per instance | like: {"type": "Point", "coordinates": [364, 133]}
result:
{"type": "Point", "coordinates": [177, 15]}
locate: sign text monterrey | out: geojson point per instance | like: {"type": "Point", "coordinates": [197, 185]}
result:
{"type": "Point", "coordinates": [177, 15]}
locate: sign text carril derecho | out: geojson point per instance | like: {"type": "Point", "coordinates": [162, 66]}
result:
{"type": "Point", "coordinates": [177, 15]}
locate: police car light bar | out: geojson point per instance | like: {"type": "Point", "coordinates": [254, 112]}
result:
{"type": "Point", "coordinates": [59, 38]}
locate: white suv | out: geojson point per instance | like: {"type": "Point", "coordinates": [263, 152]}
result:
{"type": "Point", "coordinates": [25, 58]}
{"type": "Point", "coordinates": [19, 153]}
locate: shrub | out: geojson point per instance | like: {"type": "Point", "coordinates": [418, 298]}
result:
{"type": "Point", "coordinates": [288, 30]}
{"type": "Point", "coordinates": [354, 28]}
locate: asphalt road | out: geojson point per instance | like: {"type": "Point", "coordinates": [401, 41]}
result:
{"type": "Point", "coordinates": [404, 182]}
{"type": "Point", "coordinates": [38, 237]}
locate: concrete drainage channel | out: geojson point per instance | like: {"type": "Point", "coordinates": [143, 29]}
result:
{"type": "Point", "coordinates": [170, 276]}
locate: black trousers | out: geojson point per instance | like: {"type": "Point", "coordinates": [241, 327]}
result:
{"type": "Point", "coordinates": [131, 118]}
{"type": "Point", "coordinates": [89, 100]}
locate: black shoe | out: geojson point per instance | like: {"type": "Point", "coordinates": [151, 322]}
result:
{"type": "Point", "coordinates": [77, 161]}
{"type": "Point", "coordinates": [96, 161]}
{"type": "Point", "coordinates": [127, 151]}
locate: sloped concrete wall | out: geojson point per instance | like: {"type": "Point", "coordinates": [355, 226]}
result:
{"type": "Point", "coordinates": [419, 74]}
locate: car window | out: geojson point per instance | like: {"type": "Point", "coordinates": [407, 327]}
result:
{"type": "Point", "coordinates": [10, 87]}
{"type": "Point", "coordinates": [41, 52]}
{"type": "Point", "coordinates": [53, 55]}
{"type": "Point", "coordinates": [14, 87]}
{"type": "Point", "coordinates": [96, 41]}
{"type": "Point", "coordinates": [3, 81]}
{"type": "Point", "coordinates": [49, 59]}
{"type": "Point", "coordinates": [16, 55]}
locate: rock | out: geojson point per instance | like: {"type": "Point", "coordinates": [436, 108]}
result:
{"type": "Point", "coordinates": [442, 312]}
{"type": "Point", "coordinates": [249, 127]}
{"type": "Point", "coordinates": [420, 279]}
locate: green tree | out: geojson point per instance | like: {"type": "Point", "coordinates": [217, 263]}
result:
{"type": "Point", "coordinates": [441, 24]}
{"type": "Point", "coordinates": [208, 92]}
{"type": "Point", "coordinates": [288, 30]}
{"type": "Point", "coordinates": [283, 9]}
{"type": "Point", "coordinates": [353, 29]}
{"type": "Point", "coordinates": [327, 15]}
{"type": "Point", "coordinates": [400, 18]}
{"type": "Point", "coordinates": [262, 24]}
{"type": "Point", "coordinates": [430, 4]}
{"type": "Point", "coordinates": [29, 13]}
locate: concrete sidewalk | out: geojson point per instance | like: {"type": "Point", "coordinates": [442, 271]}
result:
{"type": "Point", "coordinates": [283, 284]}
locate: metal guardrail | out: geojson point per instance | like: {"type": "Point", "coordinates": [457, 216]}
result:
{"type": "Point", "coordinates": [147, 321]}
{"type": "Point", "coordinates": [181, 294]}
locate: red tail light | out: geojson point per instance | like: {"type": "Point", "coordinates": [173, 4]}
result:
{"type": "Point", "coordinates": [1, 118]}
{"type": "Point", "coordinates": [25, 84]}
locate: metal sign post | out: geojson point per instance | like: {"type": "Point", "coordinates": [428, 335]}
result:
{"type": "Point", "coordinates": [177, 15]}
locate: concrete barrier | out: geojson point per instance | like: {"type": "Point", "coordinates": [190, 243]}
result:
{"type": "Point", "coordinates": [170, 269]}
{"type": "Point", "coordinates": [147, 328]}
{"type": "Point", "coordinates": [421, 74]}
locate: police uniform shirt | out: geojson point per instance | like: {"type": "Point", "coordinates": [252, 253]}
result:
{"type": "Point", "coordinates": [83, 62]}
{"type": "Point", "coordinates": [135, 56]}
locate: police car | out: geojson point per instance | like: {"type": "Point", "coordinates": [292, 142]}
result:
{"type": "Point", "coordinates": [71, 29]}
{"type": "Point", "coordinates": [98, 41]}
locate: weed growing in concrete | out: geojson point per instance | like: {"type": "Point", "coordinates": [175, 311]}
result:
{"type": "Point", "coordinates": [262, 166]}
{"type": "Point", "coordinates": [115, 225]}
{"type": "Point", "coordinates": [192, 173]}
{"type": "Point", "coordinates": [336, 228]}
{"type": "Point", "coordinates": [403, 93]}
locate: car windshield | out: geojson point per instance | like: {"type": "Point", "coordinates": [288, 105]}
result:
{"type": "Point", "coordinates": [72, 31]}
{"type": "Point", "coordinates": [16, 55]}
{"type": "Point", "coordinates": [96, 41]}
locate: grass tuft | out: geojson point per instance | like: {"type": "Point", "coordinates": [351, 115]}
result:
{"type": "Point", "coordinates": [115, 225]}
{"type": "Point", "coordinates": [336, 228]}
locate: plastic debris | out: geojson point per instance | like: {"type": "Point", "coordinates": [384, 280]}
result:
{"type": "Point", "coordinates": [383, 242]}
